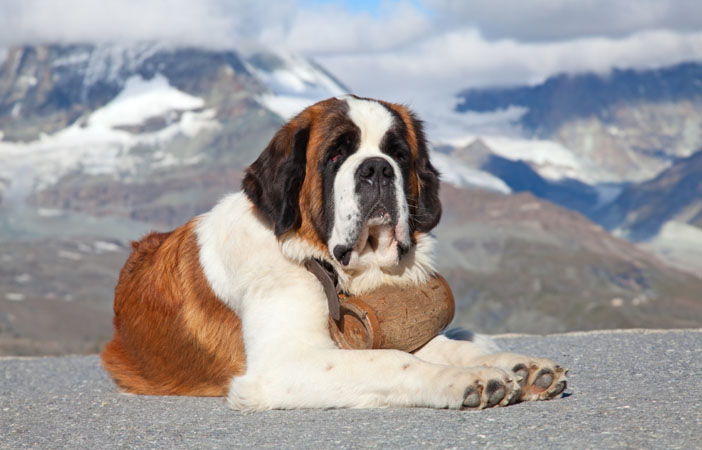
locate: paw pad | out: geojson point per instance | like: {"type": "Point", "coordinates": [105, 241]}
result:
{"type": "Point", "coordinates": [544, 378]}
{"type": "Point", "coordinates": [495, 392]}
{"type": "Point", "coordinates": [471, 398]}
{"type": "Point", "coordinates": [522, 372]}
{"type": "Point", "coordinates": [560, 387]}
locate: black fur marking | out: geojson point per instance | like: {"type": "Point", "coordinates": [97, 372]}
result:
{"type": "Point", "coordinates": [344, 145]}
{"type": "Point", "coordinates": [273, 181]}
{"type": "Point", "coordinates": [394, 144]}
{"type": "Point", "coordinates": [375, 188]}
{"type": "Point", "coordinates": [428, 211]}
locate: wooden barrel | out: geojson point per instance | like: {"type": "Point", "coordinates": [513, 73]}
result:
{"type": "Point", "coordinates": [394, 318]}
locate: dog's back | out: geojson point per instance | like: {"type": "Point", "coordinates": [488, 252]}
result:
{"type": "Point", "coordinates": [172, 335]}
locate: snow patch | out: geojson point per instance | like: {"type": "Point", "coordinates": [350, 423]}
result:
{"type": "Point", "coordinates": [549, 158]}
{"type": "Point", "coordinates": [96, 147]}
{"type": "Point", "coordinates": [49, 212]}
{"type": "Point", "coordinates": [680, 234]}
{"type": "Point", "coordinates": [142, 99]}
{"type": "Point", "coordinates": [445, 124]}
{"type": "Point", "coordinates": [607, 193]}
{"type": "Point", "coordinates": [73, 256]}
{"type": "Point", "coordinates": [285, 106]}
{"type": "Point", "coordinates": [193, 122]}
{"type": "Point", "coordinates": [460, 175]}
{"type": "Point", "coordinates": [14, 296]}
{"type": "Point", "coordinates": [680, 244]}
{"type": "Point", "coordinates": [104, 246]}
{"type": "Point", "coordinates": [295, 85]}
{"type": "Point", "coordinates": [108, 62]}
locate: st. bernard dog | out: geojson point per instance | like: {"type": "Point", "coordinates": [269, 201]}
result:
{"type": "Point", "coordinates": [224, 305]}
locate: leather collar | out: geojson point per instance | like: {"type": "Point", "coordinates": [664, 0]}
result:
{"type": "Point", "coordinates": [326, 275]}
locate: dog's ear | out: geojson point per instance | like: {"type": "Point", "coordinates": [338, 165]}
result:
{"type": "Point", "coordinates": [274, 180]}
{"type": "Point", "coordinates": [428, 211]}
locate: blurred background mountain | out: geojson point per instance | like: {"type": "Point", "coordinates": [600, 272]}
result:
{"type": "Point", "coordinates": [571, 153]}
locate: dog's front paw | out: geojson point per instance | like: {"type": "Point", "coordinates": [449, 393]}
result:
{"type": "Point", "coordinates": [540, 379]}
{"type": "Point", "coordinates": [490, 387]}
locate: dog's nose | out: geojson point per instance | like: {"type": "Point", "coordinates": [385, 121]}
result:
{"type": "Point", "coordinates": [376, 171]}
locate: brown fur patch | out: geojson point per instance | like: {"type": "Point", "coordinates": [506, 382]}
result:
{"type": "Point", "coordinates": [172, 335]}
{"type": "Point", "coordinates": [326, 121]}
{"type": "Point", "coordinates": [311, 201]}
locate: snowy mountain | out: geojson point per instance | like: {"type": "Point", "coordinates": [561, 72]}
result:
{"type": "Point", "coordinates": [89, 110]}
{"type": "Point", "coordinates": [622, 127]}
{"type": "Point", "coordinates": [612, 147]}
{"type": "Point", "coordinates": [517, 263]}
{"type": "Point", "coordinates": [293, 82]}
{"type": "Point", "coordinates": [664, 213]}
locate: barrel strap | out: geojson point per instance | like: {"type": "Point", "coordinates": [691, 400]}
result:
{"type": "Point", "coordinates": [326, 275]}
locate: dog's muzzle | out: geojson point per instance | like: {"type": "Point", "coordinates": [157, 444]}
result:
{"type": "Point", "coordinates": [375, 185]}
{"type": "Point", "coordinates": [375, 189]}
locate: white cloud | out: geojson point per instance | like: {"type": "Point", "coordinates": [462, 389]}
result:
{"type": "Point", "coordinates": [463, 58]}
{"type": "Point", "coordinates": [567, 19]}
{"type": "Point", "coordinates": [207, 22]}
{"type": "Point", "coordinates": [332, 29]}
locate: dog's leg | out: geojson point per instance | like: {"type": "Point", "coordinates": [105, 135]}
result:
{"type": "Point", "coordinates": [333, 378]}
{"type": "Point", "coordinates": [291, 362]}
{"type": "Point", "coordinates": [539, 378]}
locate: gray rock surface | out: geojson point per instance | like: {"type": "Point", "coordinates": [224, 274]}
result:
{"type": "Point", "coordinates": [627, 389]}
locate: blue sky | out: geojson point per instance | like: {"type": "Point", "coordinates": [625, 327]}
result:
{"type": "Point", "coordinates": [372, 7]}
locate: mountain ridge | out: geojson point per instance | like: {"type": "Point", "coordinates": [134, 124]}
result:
{"type": "Point", "coordinates": [567, 96]}
{"type": "Point", "coordinates": [626, 126]}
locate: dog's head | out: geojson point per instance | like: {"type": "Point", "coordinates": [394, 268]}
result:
{"type": "Point", "coordinates": [351, 178]}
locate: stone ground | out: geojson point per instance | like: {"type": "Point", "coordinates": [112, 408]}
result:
{"type": "Point", "coordinates": [627, 389]}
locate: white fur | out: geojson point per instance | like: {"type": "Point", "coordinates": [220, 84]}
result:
{"type": "Point", "coordinates": [374, 120]}
{"type": "Point", "coordinates": [291, 361]}
{"type": "Point", "coordinates": [415, 267]}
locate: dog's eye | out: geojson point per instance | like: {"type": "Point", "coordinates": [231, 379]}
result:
{"type": "Point", "coordinates": [341, 147]}
{"type": "Point", "coordinates": [400, 154]}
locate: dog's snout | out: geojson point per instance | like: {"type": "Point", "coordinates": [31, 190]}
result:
{"type": "Point", "coordinates": [376, 171]}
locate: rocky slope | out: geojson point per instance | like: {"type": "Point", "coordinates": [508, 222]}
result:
{"type": "Point", "coordinates": [664, 213]}
{"type": "Point", "coordinates": [521, 264]}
